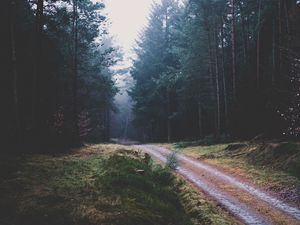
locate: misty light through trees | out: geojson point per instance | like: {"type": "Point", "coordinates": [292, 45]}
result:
{"type": "Point", "coordinates": [105, 102]}
{"type": "Point", "coordinates": [152, 70]}
{"type": "Point", "coordinates": [127, 21]}
{"type": "Point", "coordinates": [216, 68]}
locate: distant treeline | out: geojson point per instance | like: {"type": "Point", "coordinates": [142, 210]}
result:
{"type": "Point", "coordinates": [226, 68]}
{"type": "Point", "coordinates": [57, 86]}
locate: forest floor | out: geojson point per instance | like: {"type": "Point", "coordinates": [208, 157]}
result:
{"type": "Point", "coordinates": [99, 184]}
{"type": "Point", "coordinates": [258, 183]}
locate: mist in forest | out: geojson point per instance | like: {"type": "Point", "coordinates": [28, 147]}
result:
{"type": "Point", "coordinates": [87, 71]}
{"type": "Point", "coordinates": [122, 119]}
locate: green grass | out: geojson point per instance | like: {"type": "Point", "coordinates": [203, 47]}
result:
{"type": "Point", "coordinates": [206, 151]}
{"type": "Point", "coordinates": [202, 210]}
{"type": "Point", "coordinates": [273, 165]}
{"type": "Point", "coordinates": [281, 156]}
{"type": "Point", "coordinates": [208, 140]}
{"type": "Point", "coordinates": [100, 184]}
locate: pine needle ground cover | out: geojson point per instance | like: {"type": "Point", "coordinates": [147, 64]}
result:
{"type": "Point", "coordinates": [98, 184]}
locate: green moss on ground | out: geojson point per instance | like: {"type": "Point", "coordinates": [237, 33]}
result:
{"type": "Point", "coordinates": [100, 184]}
{"type": "Point", "coordinates": [202, 210]}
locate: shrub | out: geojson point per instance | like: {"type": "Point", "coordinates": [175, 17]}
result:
{"type": "Point", "coordinates": [172, 161]}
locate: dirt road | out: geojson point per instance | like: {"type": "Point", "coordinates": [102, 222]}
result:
{"type": "Point", "coordinates": [246, 202]}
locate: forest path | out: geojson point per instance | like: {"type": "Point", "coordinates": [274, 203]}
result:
{"type": "Point", "coordinates": [246, 202]}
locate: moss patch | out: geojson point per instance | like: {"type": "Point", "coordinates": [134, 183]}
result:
{"type": "Point", "coordinates": [98, 184]}
{"type": "Point", "coordinates": [202, 210]}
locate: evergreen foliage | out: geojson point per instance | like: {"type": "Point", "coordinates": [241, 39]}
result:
{"type": "Point", "coordinates": [56, 78]}
{"type": "Point", "coordinates": [218, 67]}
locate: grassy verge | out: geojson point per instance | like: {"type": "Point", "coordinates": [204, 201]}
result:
{"type": "Point", "coordinates": [273, 166]}
{"type": "Point", "coordinates": [99, 184]}
{"type": "Point", "coordinates": [202, 210]}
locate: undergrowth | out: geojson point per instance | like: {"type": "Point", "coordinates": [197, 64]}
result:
{"type": "Point", "coordinates": [273, 165]}
{"type": "Point", "coordinates": [206, 141]}
{"type": "Point", "coordinates": [172, 161]}
{"type": "Point", "coordinates": [87, 189]}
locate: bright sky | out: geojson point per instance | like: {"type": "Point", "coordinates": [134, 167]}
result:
{"type": "Point", "coordinates": [127, 18]}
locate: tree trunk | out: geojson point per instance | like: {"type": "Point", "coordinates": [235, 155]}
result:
{"type": "Point", "coordinates": [169, 107]}
{"type": "Point", "coordinates": [39, 16]}
{"type": "Point", "coordinates": [233, 35]}
{"type": "Point", "coordinates": [218, 115]}
{"type": "Point", "coordinates": [258, 47]}
{"type": "Point", "coordinates": [210, 59]}
{"type": "Point", "coordinates": [279, 35]}
{"type": "Point", "coordinates": [107, 132]}
{"type": "Point", "coordinates": [169, 130]}
{"type": "Point", "coordinates": [36, 115]}
{"type": "Point", "coordinates": [245, 50]}
{"type": "Point", "coordinates": [200, 120]}
{"type": "Point", "coordinates": [76, 137]}
{"type": "Point", "coordinates": [14, 68]}
{"type": "Point", "coordinates": [273, 53]}
{"type": "Point", "coordinates": [223, 78]}
{"type": "Point", "coordinates": [287, 24]}
{"type": "Point", "coordinates": [211, 70]}
{"type": "Point", "coordinates": [169, 116]}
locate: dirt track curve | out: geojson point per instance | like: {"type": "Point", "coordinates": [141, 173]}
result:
{"type": "Point", "coordinates": [246, 202]}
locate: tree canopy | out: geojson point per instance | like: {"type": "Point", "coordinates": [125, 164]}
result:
{"type": "Point", "coordinates": [57, 81]}
{"type": "Point", "coordinates": [218, 67]}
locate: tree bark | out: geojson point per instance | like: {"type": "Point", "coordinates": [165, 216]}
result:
{"type": "Point", "coordinates": [36, 115]}
{"type": "Point", "coordinates": [200, 125]}
{"type": "Point", "coordinates": [223, 77]}
{"type": "Point", "coordinates": [279, 34]}
{"type": "Point", "coordinates": [245, 47]}
{"type": "Point", "coordinates": [76, 137]}
{"type": "Point", "coordinates": [211, 72]}
{"type": "Point", "coordinates": [210, 59]}
{"type": "Point", "coordinates": [169, 107]}
{"type": "Point", "coordinates": [273, 53]}
{"type": "Point", "coordinates": [169, 116]}
{"type": "Point", "coordinates": [258, 47]}
{"type": "Point", "coordinates": [287, 24]}
{"type": "Point", "coordinates": [107, 132]}
{"type": "Point", "coordinates": [233, 35]}
{"type": "Point", "coordinates": [39, 16]}
{"type": "Point", "coordinates": [218, 115]}
{"type": "Point", "coordinates": [14, 68]}
{"type": "Point", "coordinates": [169, 130]}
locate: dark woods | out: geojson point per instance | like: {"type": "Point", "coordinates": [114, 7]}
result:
{"type": "Point", "coordinates": [221, 68]}
{"type": "Point", "coordinates": [224, 68]}
{"type": "Point", "coordinates": [55, 77]}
